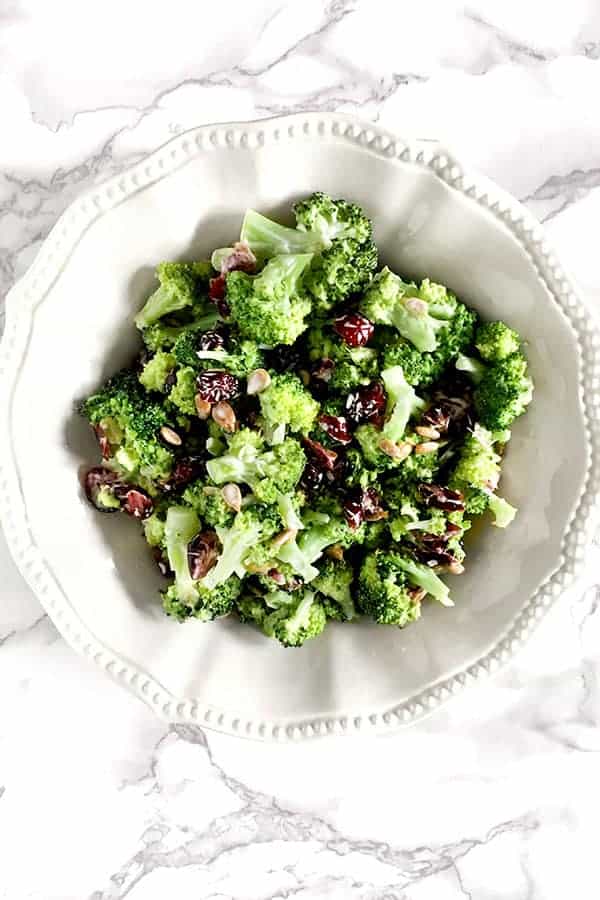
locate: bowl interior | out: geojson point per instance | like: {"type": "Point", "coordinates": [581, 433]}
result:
{"type": "Point", "coordinates": [83, 331]}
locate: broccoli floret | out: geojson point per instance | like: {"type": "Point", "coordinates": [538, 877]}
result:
{"type": "Point", "coordinates": [268, 474]}
{"type": "Point", "coordinates": [353, 365]}
{"type": "Point", "coordinates": [270, 308]}
{"type": "Point", "coordinates": [495, 341]}
{"type": "Point", "coordinates": [476, 476]}
{"type": "Point", "coordinates": [154, 529]}
{"type": "Point", "coordinates": [208, 604]}
{"type": "Point", "coordinates": [384, 591]}
{"type": "Point", "coordinates": [416, 468]}
{"type": "Point", "coordinates": [155, 372]}
{"type": "Point", "coordinates": [336, 233]}
{"type": "Point", "coordinates": [251, 610]}
{"type": "Point", "coordinates": [429, 317]}
{"type": "Point", "coordinates": [332, 219]}
{"type": "Point", "coordinates": [163, 337]}
{"type": "Point", "coordinates": [122, 409]}
{"type": "Point", "coordinates": [249, 528]}
{"type": "Point", "coordinates": [343, 269]}
{"type": "Point", "coordinates": [297, 621]}
{"type": "Point", "coordinates": [504, 392]}
{"type": "Point", "coordinates": [320, 222]}
{"type": "Point", "coordinates": [391, 301]}
{"type": "Point", "coordinates": [455, 335]}
{"type": "Point", "coordinates": [287, 402]}
{"type": "Point", "coordinates": [240, 358]}
{"type": "Point", "coordinates": [474, 368]}
{"type": "Point", "coordinates": [180, 284]}
{"type": "Point", "coordinates": [356, 474]}
{"type": "Point", "coordinates": [184, 390]}
{"type": "Point", "coordinates": [207, 501]}
{"type": "Point", "coordinates": [334, 581]}
{"type": "Point", "coordinates": [330, 528]}
{"type": "Point", "coordinates": [369, 438]}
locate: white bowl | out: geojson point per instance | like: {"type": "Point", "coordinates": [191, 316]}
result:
{"type": "Point", "coordinates": [69, 325]}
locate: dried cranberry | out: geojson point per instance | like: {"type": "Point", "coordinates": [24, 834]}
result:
{"type": "Point", "coordinates": [240, 259]}
{"type": "Point", "coordinates": [215, 385]}
{"type": "Point", "coordinates": [441, 497]}
{"type": "Point", "coordinates": [100, 478]}
{"type": "Point", "coordinates": [103, 441]}
{"type": "Point", "coordinates": [216, 288]}
{"type": "Point", "coordinates": [202, 553]}
{"type": "Point", "coordinates": [211, 340]}
{"type": "Point", "coordinates": [184, 471]}
{"type": "Point", "coordinates": [312, 478]}
{"type": "Point", "coordinates": [434, 557]}
{"type": "Point", "coordinates": [138, 504]}
{"type": "Point", "coordinates": [353, 512]}
{"type": "Point", "coordinates": [354, 329]}
{"type": "Point", "coordinates": [371, 506]}
{"type": "Point", "coordinates": [336, 475]}
{"type": "Point", "coordinates": [366, 404]}
{"type": "Point", "coordinates": [324, 458]}
{"type": "Point", "coordinates": [336, 427]}
{"type": "Point", "coordinates": [216, 292]}
{"type": "Point", "coordinates": [323, 370]}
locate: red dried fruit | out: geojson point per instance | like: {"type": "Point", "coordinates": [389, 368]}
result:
{"type": "Point", "coordinates": [184, 471]}
{"type": "Point", "coordinates": [312, 478]}
{"type": "Point", "coordinates": [138, 504]}
{"type": "Point", "coordinates": [353, 512]}
{"type": "Point", "coordinates": [441, 498]}
{"type": "Point", "coordinates": [436, 557]}
{"type": "Point", "coordinates": [216, 292]}
{"type": "Point", "coordinates": [337, 428]}
{"type": "Point", "coordinates": [367, 404]}
{"type": "Point", "coordinates": [103, 442]}
{"type": "Point", "coordinates": [211, 340]}
{"type": "Point", "coordinates": [202, 553]}
{"type": "Point", "coordinates": [241, 259]}
{"type": "Point", "coordinates": [324, 458]}
{"type": "Point", "coordinates": [216, 287]}
{"type": "Point", "coordinates": [371, 505]}
{"type": "Point", "coordinates": [354, 329]}
{"type": "Point", "coordinates": [215, 386]}
{"type": "Point", "coordinates": [336, 475]}
{"type": "Point", "coordinates": [324, 370]}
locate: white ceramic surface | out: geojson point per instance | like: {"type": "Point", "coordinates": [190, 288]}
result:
{"type": "Point", "coordinates": [432, 217]}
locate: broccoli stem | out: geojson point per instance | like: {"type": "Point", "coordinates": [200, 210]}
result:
{"type": "Point", "coordinates": [266, 238]}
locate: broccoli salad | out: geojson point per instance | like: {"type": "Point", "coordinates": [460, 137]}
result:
{"type": "Point", "coordinates": [307, 436]}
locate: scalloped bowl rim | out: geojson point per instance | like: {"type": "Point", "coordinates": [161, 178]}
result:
{"type": "Point", "coordinates": [54, 255]}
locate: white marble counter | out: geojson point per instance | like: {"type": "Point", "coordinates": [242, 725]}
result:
{"type": "Point", "coordinates": [496, 797]}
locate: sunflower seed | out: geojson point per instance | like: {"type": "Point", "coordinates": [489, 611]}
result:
{"type": "Point", "coordinates": [170, 436]}
{"type": "Point", "coordinates": [258, 381]}
{"type": "Point", "coordinates": [232, 496]}
{"type": "Point", "coordinates": [395, 451]}
{"type": "Point", "coordinates": [427, 447]}
{"type": "Point", "coordinates": [224, 416]}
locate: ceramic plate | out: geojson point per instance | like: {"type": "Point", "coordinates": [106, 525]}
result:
{"type": "Point", "coordinates": [69, 325]}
